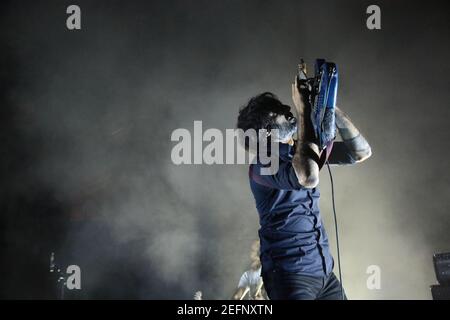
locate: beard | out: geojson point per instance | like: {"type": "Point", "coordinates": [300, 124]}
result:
{"type": "Point", "coordinates": [285, 131]}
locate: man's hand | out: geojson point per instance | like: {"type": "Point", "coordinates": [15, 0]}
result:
{"type": "Point", "coordinates": [297, 98]}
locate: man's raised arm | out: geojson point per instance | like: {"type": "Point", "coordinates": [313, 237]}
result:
{"type": "Point", "coordinates": [358, 146]}
{"type": "Point", "coordinates": [306, 158]}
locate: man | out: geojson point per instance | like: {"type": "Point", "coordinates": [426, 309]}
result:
{"type": "Point", "coordinates": [295, 257]}
{"type": "Point", "coordinates": [251, 284]}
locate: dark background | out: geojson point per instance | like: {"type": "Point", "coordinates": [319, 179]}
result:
{"type": "Point", "coordinates": [86, 118]}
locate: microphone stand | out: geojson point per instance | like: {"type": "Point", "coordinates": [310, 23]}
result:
{"type": "Point", "coordinates": [60, 276]}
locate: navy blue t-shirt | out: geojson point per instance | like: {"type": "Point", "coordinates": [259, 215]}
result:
{"type": "Point", "coordinates": [292, 234]}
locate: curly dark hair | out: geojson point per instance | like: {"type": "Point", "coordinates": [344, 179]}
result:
{"type": "Point", "coordinates": [258, 113]}
{"type": "Point", "coordinates": [255, 115]}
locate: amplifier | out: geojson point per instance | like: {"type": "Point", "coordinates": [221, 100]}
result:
{"type": "Point", "coordinates": [440, 292]}
{"type": "Point", "coordinates": [441, 263]}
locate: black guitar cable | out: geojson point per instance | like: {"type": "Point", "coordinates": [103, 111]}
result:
{"type": "Point", "coordinates": [336, 229]}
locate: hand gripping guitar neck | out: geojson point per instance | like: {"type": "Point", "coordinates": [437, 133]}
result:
{"type": "Point", "coordinates": [322, 99]}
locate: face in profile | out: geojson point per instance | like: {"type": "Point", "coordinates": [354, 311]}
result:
{"type": "Point", "coordinates": [266, 112]}
{"type": "Point", "coordinates": [282, 120]}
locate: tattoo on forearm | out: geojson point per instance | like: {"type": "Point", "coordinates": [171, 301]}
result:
{"type": "Point", "coordinates": [351, 136]}
{"type": "Point", "coordinates": [357, 144]}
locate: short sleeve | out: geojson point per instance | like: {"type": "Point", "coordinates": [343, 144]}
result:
{"type": "Point", "coordinates": [340, 154]}
{"type": "Point", "coordinates": [244, 281]}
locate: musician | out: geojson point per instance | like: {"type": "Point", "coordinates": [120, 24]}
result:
{"type": "Point", "coordinates": [250, 285]}
{"type": "Point", "coordinates": [295, 255]}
